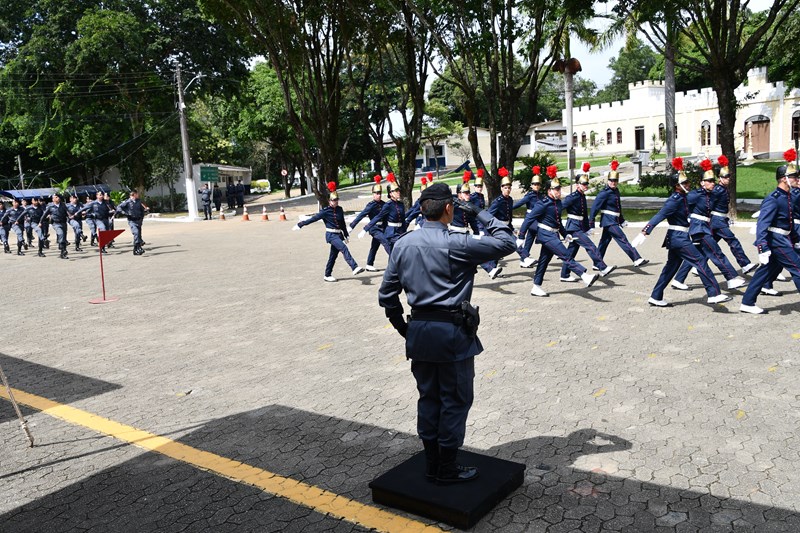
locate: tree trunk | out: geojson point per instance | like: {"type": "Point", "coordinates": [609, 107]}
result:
{"type": "Point", "coordinates": [726, 102]}
{"type": "Point", "coordinates": [669, 95]}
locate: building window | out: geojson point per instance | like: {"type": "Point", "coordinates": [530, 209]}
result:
{"type": "Point", "coordinates": [796, 125]}
{"type": "Point", "coordinates": [662, 132]}
{"type": "Point", "coordinates": [719, 130]}
{"type": "Point", "coordinates": [574, 139]}
{"type": "Point", "coordinates": [705, 133]}
{"type": "Point", "coordinates": [676, 131]}
{"type": "Point", "coordinates": [526, 140]}
{"type": "Point", "coordinates": [608, 136]}
{"type": "Point", "coordinates": [438, 150]}
{"type": "Point", "coordinates": [583, 137]}
{"type": "Point", "coordinates": [619, 135]}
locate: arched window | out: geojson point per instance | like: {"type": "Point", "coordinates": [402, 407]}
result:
{"type": "Point", "coordinates": [719, 130]}
{"type": "Point", "coordinates": [574, 139]}
{"type": "Point", "coordinates": [583, 137]}
{"type": "Point", "coordinates": [796, 125]}
{"type": "Point", "coordinates": [608, 136]}
{"type": "Point", "coordinates": [619, 135]}
{"type": "Point", "coordinates": [705, 133]}
{"type": "Point", "coordinates": [662, 133]}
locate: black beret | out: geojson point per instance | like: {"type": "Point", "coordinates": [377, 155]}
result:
{"type": "Point", "coordinates": [437, 191]}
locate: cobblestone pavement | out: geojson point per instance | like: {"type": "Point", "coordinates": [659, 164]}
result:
{"type": "Point", "coordinates": [225, 338]}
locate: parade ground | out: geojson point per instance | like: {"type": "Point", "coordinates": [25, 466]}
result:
{"type": "Point", "coordinates": [231, 389]}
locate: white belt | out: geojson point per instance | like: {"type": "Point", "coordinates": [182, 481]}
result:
{"type": "Point", "coordinates": [548, 228]}
{"type": "Point", "coordinates": [529, 210]}
{"type": "Point", "coordinates": [718, 214]}
{"type": "Point", "coordinates": [779, 231]}
{"type": "Point", "coordinates": [504, 221]}
{"type": "Point", "coordinates": [678, 228]}
{"type": "Point", "coordinates": [457, 229]}
{"type": "Point", "coordinates": [329, 230]}
{"type": "Point", "coordinates": [607, 212]}
{"type": "Point", "coordinates": [796, 220]}
{"type": "Point", "coordinates": [575, 217]}
{"type": "Point", "coordinates": [700, 217]}
{"type": "Point", "coordinates": [394, 224]}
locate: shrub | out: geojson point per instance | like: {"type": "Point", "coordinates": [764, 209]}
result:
{"type": "Point", "coordinates": [661, 180]}
{"type": "Point", "coordinates": [525, 175]}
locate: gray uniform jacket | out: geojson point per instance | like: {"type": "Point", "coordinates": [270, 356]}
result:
{"type": "Point", "coordinates": [436, 269]}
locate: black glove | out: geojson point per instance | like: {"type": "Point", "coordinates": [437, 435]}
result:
{"type": "Point", "coordinates": [399, 324]}
{"type": "Point", "coordinates": [468, 207]}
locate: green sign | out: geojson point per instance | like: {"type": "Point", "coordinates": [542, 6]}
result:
{"type": "Point", "coordinates": [209, 174]}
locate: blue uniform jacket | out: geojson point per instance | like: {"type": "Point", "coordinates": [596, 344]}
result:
{"type": "Point", "coordinates": [74, 211]}
{"type": "Point", "coordinates": [529, 200]}
{"type": "Point", "coordinates": [97, 209]}
{"type": "Point", "coordinates": [436, 268]}
{"type": "Point", "coordinates": [13, 216]}
{"type": "Point", "coordinates": [699, 201]}
{"type": "Point", "coordinates": [415, 212]}
{"type": "Point", "coordinates": [334, 220]}
{"type": "Point", "coordinates": [502, 208]}
{"type": "Point", "coordinates": [462, 220]}
{"type": "Point", "coordinates": [720, 199]}
{"type": "Point", "coordinates": [58, 213]}
{"type": "Point", "coordinates": [676, 213]}
{"type": "Point", "coordinates": [576, 206]}
{"type": "Point", "coordinates": [371, 210]}
{"type": "Point", "coordinates": [392, 212]}
{"type": "Point", "coordinates": [133, 209]}
{"type": "Point", "coordinates": [529, 223]}
{"type": "Point", "coordinates": [775, 211]}
{"type": "Point", "coordinates": [607, 203]}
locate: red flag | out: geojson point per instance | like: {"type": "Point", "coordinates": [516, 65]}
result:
{"type": "Point", "coordinates": [105, 237]}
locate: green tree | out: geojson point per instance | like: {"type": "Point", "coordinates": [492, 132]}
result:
{"type": "Point", "coordinates": [633, 63]}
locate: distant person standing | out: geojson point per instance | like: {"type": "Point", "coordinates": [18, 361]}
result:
{"type": "Point", "coordinates": [135, 210]}
{"type": "Point", "coordinates": [230, 195]}
{"type": "Point", "coordinates": [205, 199]}
{"type": "Point", "coordinates": [239, 189]}
{"type": "Point", "coordinates": [217, 196]}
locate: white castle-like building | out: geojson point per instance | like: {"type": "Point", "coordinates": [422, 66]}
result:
{"type": "Point", "coordinates": [767, 121]}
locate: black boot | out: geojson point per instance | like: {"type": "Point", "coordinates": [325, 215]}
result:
{"type": "Point", "coordinates": [93, 241]}
{"type": "Point", "coordinates": [25, 244]}
{"type": "Point", "coordinates": [41, 246]}
{"type": "Point", "coordinates": [19, 248]}
{"type": "Point", "coordinates": [83, 238]}
{"type": "Point", "coordinates": [78, 247]}
{"type": "Point", "coordinates": [452, 472]}
{"type": "Point", "coordinates": [431, 459]}
{"type": "Point", "coordinates": [47, 243]}
{"type": "Point", "coordinates": [6, 248]}
{"type": "Point", "coordinates": [63, 247]}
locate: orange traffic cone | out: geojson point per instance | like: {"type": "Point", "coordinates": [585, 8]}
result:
{"type": "Point", "coordinates": [283, 215]}
{"type": "Point", "coordinates": [264, 215]}
{"type": "Point", "coordinates": [221, 214]}
{"type": "Point", "coordinates": [245, 216]}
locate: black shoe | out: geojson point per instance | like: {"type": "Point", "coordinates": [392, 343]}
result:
{"type": "Point", "coordinates": [41, 254]}
{"type": "Point", "coordinates": [6, 248]}
{"type": "Point", "coordinates": [103, 250]}
{"type": "Point", "coordinates": [64, 254]}
{"type": "Point", "coordinates": [78, 248]}
{"type": "Point", "coordinates": [25, 245]}
{"type": "Point", "coordinates": [111, 244]}
{"type": "Point", "coordinates": [451, 472]}
{"type": "Point", "coordinates": [84, 238]}
{"type": "Point", "coordinates": [47, 243]}
{"type": "Point", "coordinates": [19, 248]}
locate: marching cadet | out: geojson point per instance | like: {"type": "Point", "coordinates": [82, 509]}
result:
{"type": "Point", "coordinates": [135, 210]}
{"type": "Point", "coordinates": [88, 216]}
{"type": "Point", "coordinates": [56, 212]}
{"type": "Point", "coordinates": [112, 210]}
{"type": "Point", "coordinates": [371, 210]}
{"type": "Point", "coordinates": [34, 215]}
{"type": "Point", "coordinates": [527, 231]}
{"type": "Point", "coordinates": [502, 208]}
{"type": "Point", "coordinates": [393, 213]}
{"type": "Point", "coordinates": [335, 233]}
{"type": "Point", "coordinates": [547, 215]}
{"type": "Point", "coordinates": [436, 269]}
{"type": "Point", "coordinates": [699, 201]}
{"type": "Point", "coordinates": [75, 221]}
{"type": "Point", "coordinates": [15, 219]}
{"type": "Point", "coordinates": [678, 243]}
{"type": "Point", "coordinates": [477, 197]}
{"type": "Point", "coordinates": [414, 213]}
{"type": "Point", "coordinates": [464, 221]}
{"type": "Point", "coordinates": [720, 223]}
{"type": "Point", "coordinates": [607, 204]}
{"type": "Point", "coordinates": [578, 225]}
{"type": "Point", "coordinates": [205, 199]}
{"type": "Point", "coordinates": [4, 228]}
{"type": "Point", "coordinates": [776, 239]}
{"type": "Point", "coordinates": [99, 211]}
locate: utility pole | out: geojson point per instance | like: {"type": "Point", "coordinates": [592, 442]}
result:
{"type": "Point", "coordinates": [19, 166]}
{"type": "Point", "coordinates": [191, 192]}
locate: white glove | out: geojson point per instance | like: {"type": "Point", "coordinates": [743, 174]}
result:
{"type": "Point", "coordinates": [639, 239]}
{"type": "Point", "coordinates": [755, 215]}
{"type": "Point", "coordinates": [569, 238]}
{"type": "Point", "coordinates": [624, 224]}
{"type": "Point", "coordinates": [763, 258]}
{"type": "Point", "coordinates": [361, 234]}
{"type": "Point", "coordinates": [797, 246]}
{"type": "Point", "coordinates": [520, 242]}
{"type": "Point", "coordinates": [346, 240]}
{"type": "Point", "coordinates": [295, 227]}
{"type": "Point", "coordinates": [753, 230]}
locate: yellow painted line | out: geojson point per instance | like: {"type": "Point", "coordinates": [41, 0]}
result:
{"type": "Point", "coordinates": [796, 335]}
{"type": "Point", "coordinates": [325, 347]}
{"type": "Point", "coordinates": [599, 393]}
{"type": "Point", "coordinates": [772, 369]}
{"type": "Point", "coordinates": [319, 500]}
{"type": "Point", "coordinates": [740, 414]}
{"type": "Point", "coordinates": [551, 344]}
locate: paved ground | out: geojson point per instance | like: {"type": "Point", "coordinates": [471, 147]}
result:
{"type": "Point", "coordinates": [227, 341]}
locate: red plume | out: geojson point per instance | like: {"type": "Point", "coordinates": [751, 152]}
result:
{"type": "Point", "coordinates": [537, 170]}
{"type": "Point", "coordinates": [430, 175]}
{"type": "Point", "coordinates": [706, 165]}
{"type": "Point", "coordinates": [502, 172]}
{"type": "Point", "coordinates": [790, 155]}
{"type": "Point", "coordinates": [552, 171]}
{"type": "Point", "coordinates": [424, 180]}
{"type": "Point", "coordinates": [723, 161]}
{"type": "Point", "coordinates": [332, 186]}
{"type": "Point", "coordinates": [586, 167]}
{"type": "Point", "coordinates": [467, 175]}
{"type": "Point", "coordinates": [377, 179]}
{"type": "Point", "coordinates": [480, 173]}
{"type": "Point", "coordinates": [614, 165]}
{"type": "Point", "coordinates": [390, 177]}
{"type": "Point", "coordinates": [677, 163]}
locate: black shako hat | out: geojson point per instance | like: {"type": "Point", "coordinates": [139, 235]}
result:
{"type": "Point", "coordinates": [437, 191]}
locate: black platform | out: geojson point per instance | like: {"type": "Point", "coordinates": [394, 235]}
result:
{"type": "Point", "coordinates": [461, 504]}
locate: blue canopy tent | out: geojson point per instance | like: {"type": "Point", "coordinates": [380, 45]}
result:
{"type": "Point", "coordinates": [81, 190]}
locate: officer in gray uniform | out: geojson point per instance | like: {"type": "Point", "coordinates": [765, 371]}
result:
{"type": "Point", "coordinates": [4, 228]}
{"type": "Point", "coordinates": [134, 209]}
{"type": "Point", "coordinates": [436, 269]}
{"type": "Point", "coordinates": [56, 212]}
{"type": "Point", "coordinates": [75, 220]}
{"type": "Point", "coordinates": [15, 219]}
{"type": "Point", "coordinates": [205, 199]}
